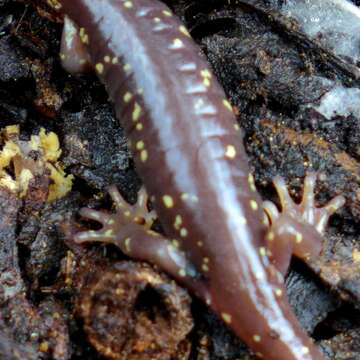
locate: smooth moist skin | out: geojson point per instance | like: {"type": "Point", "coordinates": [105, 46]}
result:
{"type": "Point", "coordinates": [188, 150]}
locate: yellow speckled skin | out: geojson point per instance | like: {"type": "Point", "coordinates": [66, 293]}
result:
{"type": "Point", "coordinates": [188, 150]}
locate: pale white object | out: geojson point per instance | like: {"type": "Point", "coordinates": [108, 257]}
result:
{"type": "Point", "coordinates": [340, 101]}
{"type": "Point", "coordinates": [335, 24]}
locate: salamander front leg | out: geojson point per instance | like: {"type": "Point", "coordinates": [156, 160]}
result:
{"type": "Point", "coordinates": [129, 229]}
{"type": "Point", "coordinates": [298, 228]}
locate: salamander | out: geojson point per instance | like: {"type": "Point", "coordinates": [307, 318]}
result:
{"type": "Point", "coordinates": [188, 150]}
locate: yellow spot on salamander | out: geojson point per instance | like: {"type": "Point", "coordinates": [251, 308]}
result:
{"type": "Point", "coordinates": [99, 68]}
{"type": "Point", "coordinates": [177, 44]}
{"type": "Point", "coordinates": [115, 60]}
{"type": "Point", "coordinates": [109, 233]}
{"type": "Point", "coordinates": [177, 222]}
{"type": "Point", "coordinates": [107, 58]}
{"type": "Point", "coordinates": [157, 19]}
{"type": "Point", "coordinates": [305, 350]}
{"type": "Point", "coordinates": [168, 201]}
{"type": "Point", "coordinates": [278, 292]}
{"type": "Point", "coordinates": [136, 112]}
{"type": "Point", "coordinates": [127, 67]}
{"type": "Point", "coordinates": [227, 105]}
{"type": "Point", "coordinates": [242, 220]}
{"type": "Point", "coordinates": [128, 4]}
{"type": "Point", "coordinates": [236, 127]}
{"type": "Point", "coordinates": [206, 75]}
{"type": "Point", "coordinates": [84, 37]}
{"type": "Point", "coordinates": [183, 232]}
{"type": "Point", "coordinates": [200, 244]}
{"type": "Point", "coordinates": [139, 126]}
{"type": "Point", "coordinates": [127, 245]}
{"type": "Point", "coordinates": [270, 236]}
{"type": "Point", "coordinates": [257, 338]}
{"type": "Point", "coordinates": [254, 205]}
{"type": "Point", "coordinates": [189, 197]}
{"type": "Point", "coordinates": [128, 96]}
{"type": "Point", "coordinates": [226, 317]}
{"type": "Point", "coordinates": [205, 267]}
{"type": "Point", "coordinates": [140, 145]}
{"type": "Point", "coordinates": [251, 182]}
{"type": "Point", "coordinates": [262, 251]}
{"type": "Point", "coordinates": [184, 30]}
{"type": "Point", "coordinates": [298, 238]}
{"type": "Point", "coordinates": [167, 13]}
{"type": "Point", "coordinates": [182, 272]}
{"type": "Point", "coordinates": [144, 155]}
{"type": "Point", "coordinates": [176, 244]}
{"type": "Point", "coordinates": [230, 151]}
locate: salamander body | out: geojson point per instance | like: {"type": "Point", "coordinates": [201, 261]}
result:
{"type": "Point", "coordinates": [180, 123]}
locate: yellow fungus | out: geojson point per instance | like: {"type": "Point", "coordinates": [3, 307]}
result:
{"type": "Point", "coordinates": [50, 145]}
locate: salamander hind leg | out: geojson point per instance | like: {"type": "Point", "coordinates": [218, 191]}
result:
{"type": "Point", "coordinates": [298, 228]}
{"type": "Point", "coordinates": [129, 228]}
